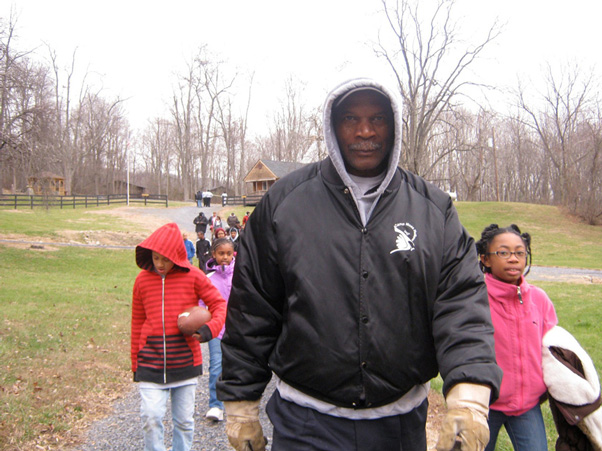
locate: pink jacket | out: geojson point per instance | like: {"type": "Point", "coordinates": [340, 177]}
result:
{"type": "Point", "coordinates": [521, 316]}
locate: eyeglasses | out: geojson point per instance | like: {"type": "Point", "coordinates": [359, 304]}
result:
{"type": "Point", "coordinates": [506, 254]}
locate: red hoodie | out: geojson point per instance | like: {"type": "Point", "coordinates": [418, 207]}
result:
{"type": "Point", "coordinates": [159, 352]}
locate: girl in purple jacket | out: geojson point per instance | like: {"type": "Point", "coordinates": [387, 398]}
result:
{"type": "Point", "coordinates": [521, 315]}
{"type": "Point", "coordinates": [220, 269]}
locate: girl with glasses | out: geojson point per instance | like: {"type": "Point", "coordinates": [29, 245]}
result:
{"type": "Point", "coordinates": [521, 314]}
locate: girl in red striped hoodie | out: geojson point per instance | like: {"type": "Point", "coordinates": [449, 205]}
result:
{"type": "Point", "coordinates": [164, 361]}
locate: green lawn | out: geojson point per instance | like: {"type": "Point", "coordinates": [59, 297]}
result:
{"type": "Point", "coordinates": [557, 239]}
{"type": "Point", "coordinates": [64, 338]}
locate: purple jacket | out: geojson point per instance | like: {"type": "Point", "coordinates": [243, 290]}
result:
{"type": "Point", "coordinates": [521, 316]}
{"type": "Point", "coordinates": [221, 277]}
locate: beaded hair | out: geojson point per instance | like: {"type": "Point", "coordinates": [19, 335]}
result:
{"type": "Point", "coordinates": [493, 230]}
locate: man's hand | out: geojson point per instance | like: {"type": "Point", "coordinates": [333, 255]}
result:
{"type": "Point", "coordinates": [465, 424]}
{"type": "Point", "coordinates": [243, 427]}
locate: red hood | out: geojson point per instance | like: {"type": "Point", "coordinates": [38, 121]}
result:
{"type": "Point", "coordinates": [167, 241]}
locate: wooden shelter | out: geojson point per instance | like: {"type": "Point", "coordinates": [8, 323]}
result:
{"type": "Point", "coordinates": [47, 183]}
{"type": "Point", "coordinates": [265, 173]}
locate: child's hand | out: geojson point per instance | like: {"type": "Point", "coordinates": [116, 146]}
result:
{"type": "Point", "coordinates": [192, 319]}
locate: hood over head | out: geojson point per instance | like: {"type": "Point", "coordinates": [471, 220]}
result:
{"type": "Point", "coordinates": [338, 95]}
{"type": "Point", "coordinates": [365, 201]}
{"type": "Point", "coordinates": [167, 241]}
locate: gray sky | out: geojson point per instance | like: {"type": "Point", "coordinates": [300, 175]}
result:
{"type": "Point", "coordinates": [133, 48]}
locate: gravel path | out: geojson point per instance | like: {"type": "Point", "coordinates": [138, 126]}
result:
{"type": "Point", "coordinates": [123, 431]}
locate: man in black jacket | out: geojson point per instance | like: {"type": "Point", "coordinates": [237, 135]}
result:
{"type": "Point", "coordinates": [354, 321]}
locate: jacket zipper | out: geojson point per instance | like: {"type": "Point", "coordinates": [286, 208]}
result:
{"type": "Point", "coordinates": [163, 322]}
{"type": "Point", "coordinates": [349, 195]}
{"type": "Point", "coordinates": [520, 341]}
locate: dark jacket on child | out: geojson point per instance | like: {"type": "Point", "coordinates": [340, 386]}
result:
{"type": "Point", "coordinates": [200, 223]}
{"type": "Point", "coordinates": [203, 253]}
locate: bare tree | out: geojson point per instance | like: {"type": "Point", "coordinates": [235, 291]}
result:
{"type": "Point", "coordinates": [102, 144]}
{"type": "Point", "coordinates": [316, 133]}
{"type": "Point", "coordinates": [68, 124]}
{"type": "Point", "coordinates": [590, 199]}
{"type": "Point", "coordinates": [244, 123]}
{"type": "Point", "coordinates": [158, 142]}
{"type": "Point", "coordinates": [195, 110]}
{"type": "Point", "coordinates": [23, 94]}
{"type": "Point", "coordinates": [565, 104]}
{"type": "Point", "coordinates": [431, 73]}
{"type": "Point", "coordinates": [293, 128]}
{"type": "Point", "coordinates": [182, 114]}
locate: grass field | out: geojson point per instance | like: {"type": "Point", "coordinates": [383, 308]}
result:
{"type": "Point", "coordinates": [65, 333]}
{"type": "Point", "coordinates": [557, 239]}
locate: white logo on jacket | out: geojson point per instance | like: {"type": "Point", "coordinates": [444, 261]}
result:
{"type": "Point", "coordinates": [406, 234]}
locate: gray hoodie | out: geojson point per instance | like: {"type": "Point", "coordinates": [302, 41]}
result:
{"type": "Point", "coordinates": [364, 202]}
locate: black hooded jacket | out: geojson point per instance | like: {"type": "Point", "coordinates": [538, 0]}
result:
{"type": "Point", "coordinates": [357, 316]}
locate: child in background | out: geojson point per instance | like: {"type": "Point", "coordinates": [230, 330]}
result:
{"type": "Point", "coordinates": [189, 245]}
{"type": "Point", "coordinates": [234, 238]}
{"type": "Point", "coordinates": [220, 233]}
{"type": "Point", "coordinates": [245, 218]}
{"type": "Point", "coordinates": [220, 269]}
{"type": "Point", "coordinates": [203, 251]}
{"type": "Point", "coordinates": [217, 224]}
{"type": "Point", "coordinates": [521, 315]}
{"type": "Point", "coordinates": [164, 361]}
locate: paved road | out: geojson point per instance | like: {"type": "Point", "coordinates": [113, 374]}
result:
{"type": "Point", "coordinates": [183, 216]}
{"type": "Point", "coordinates": [558, 274]}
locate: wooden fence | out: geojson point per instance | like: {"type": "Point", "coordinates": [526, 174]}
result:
{"type": "Point", "coordinates": [24, 201]}
{"type": "Point", "coordinates": [251, 200]}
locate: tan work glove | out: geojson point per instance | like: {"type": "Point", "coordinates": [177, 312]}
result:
{"type": "Point", "coordinates": [243, 427]}
{"type": "Point", "coordinates": [465, 424]}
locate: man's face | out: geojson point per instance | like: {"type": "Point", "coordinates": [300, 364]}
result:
{"type": "Point", "coordinates": [365, 132]}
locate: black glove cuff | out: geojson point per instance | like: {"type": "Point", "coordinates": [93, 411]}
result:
{"type": "Point", "coordinates": [205, 333]}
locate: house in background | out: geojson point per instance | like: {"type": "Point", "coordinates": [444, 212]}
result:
{"type": "Point", "coordinates": [121, 187]}
{"type": "Point", "coordinates": [47, 183]}
{"type": "Point", "coordinates": [265, 173]}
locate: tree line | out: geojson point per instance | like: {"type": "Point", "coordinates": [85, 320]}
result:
{"type": "Point", "coordinates": [546, 150]}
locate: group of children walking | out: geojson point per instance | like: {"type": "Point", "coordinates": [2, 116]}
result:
{"type": "Point", "coordinates": [165, 362]}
